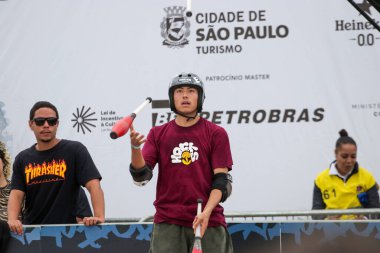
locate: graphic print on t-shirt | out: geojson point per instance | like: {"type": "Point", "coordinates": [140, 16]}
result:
{"type": "Point", "coordinates": [185, 153]}
{"type": "Point", "coordinates": [45, 172]}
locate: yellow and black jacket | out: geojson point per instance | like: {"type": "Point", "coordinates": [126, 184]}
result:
{"type": "Point", "coordinates": [334, 192]}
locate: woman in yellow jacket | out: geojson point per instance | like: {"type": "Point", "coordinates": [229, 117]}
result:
{"type": "Point", "coordinates": [345, 185]}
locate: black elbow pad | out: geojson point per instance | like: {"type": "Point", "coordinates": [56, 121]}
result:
{"type": "Point", "coordinates": [222, 182]}
{"type": "Point", "coordinates": [141, 176]}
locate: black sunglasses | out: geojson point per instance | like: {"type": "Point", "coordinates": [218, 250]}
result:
{"type": "Point", "coordinates": [41, 121]}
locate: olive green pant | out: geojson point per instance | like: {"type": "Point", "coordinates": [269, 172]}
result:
{"type": "Point", "coordinates": [169, 238]}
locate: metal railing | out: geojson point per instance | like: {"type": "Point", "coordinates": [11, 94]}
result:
{"type": "Point", "coordinates": [361, 213]}
{"type": "Point", "coordinates": [371, 213]}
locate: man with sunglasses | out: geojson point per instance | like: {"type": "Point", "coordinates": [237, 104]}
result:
{"type": "Point", "coordinates": [49, 175]}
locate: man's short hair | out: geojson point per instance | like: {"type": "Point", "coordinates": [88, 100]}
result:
{"type": "Point", "coordinates": [42, 104]}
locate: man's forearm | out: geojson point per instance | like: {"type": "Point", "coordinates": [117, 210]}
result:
{"type": "Point", "coordinates": [97, 200]}
{"type": "Point", "coordinates": [137, 159]}
{"type": "Point", "coordinates": [213, 201]}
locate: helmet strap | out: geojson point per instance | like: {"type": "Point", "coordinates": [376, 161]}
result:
{"type": "Point", "coordinates": [188, 118]}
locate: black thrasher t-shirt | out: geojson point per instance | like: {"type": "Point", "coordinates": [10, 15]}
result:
{"type": "Point", "coordinates": [51, 181]}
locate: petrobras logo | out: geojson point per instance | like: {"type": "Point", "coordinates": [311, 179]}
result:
{"type": "Point", "coordinates": [361, 30]}
{"type": "Point", "coordinates": [219, 32]}
{"type": "Point", "coordinates": [235, 116]}
{"type": "Point", "coordinates": [175, 28]}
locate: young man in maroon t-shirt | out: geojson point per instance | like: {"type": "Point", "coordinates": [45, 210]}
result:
{"type": "Point", "coordinates": [194, 159]}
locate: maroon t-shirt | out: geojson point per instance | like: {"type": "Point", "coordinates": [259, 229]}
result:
{"type": "Point", "coordinates": [186, 158]}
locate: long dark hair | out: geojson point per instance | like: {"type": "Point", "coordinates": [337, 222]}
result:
{"type": "Point", "coordinates": [5, 157]}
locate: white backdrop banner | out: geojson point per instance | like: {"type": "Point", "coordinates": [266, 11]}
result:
{"type": "Point", "coordinates": [282, 77]}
